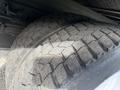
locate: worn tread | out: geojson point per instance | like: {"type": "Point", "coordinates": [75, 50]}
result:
{"type": "Point", "coordinates": [61, 53]}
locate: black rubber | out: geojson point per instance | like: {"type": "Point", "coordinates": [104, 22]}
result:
{"type": "Point", "coordinates": [48, 55]}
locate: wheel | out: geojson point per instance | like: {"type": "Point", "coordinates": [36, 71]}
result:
{"type": "Point", "coordinates": [47, 55]}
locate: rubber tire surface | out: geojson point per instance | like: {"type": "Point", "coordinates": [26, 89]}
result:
{"type": "Point", "coordinates": [48, 54]}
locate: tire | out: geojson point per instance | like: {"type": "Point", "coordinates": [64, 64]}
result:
{"type": "Point", "coordinates": [47, 55]}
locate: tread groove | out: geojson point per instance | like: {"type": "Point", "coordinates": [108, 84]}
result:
{"type": "Point", "coordinates": [82, 64]}
{"type": "Point", "coordinates": [90, 50]}
{"type": "Point", "coordinates": [69, 73]}
{"type": "Point", "coordinates": [114, 31]}
{"type": "Point", "coordinates": [101, 45]}
{"type": "Point", "coordinates": [114, 41]}
{"type": "Point", "coordinates": [55, 81]}
{"type": "Point", "coordinates": [76, 28]}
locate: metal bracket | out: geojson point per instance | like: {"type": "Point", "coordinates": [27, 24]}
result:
{"type": "Point", "coordinates": [4, 8]}
{"type": "Point", "coordinates": [6, 15]}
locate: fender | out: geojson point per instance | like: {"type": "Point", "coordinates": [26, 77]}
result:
{"type": "Point", "coordinates": [69, 6]}
{"type": "Point", "coordinates": [76, 8]}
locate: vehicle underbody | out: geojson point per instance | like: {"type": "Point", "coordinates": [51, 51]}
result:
{"type": "Point", "coordinates": [24, 11]}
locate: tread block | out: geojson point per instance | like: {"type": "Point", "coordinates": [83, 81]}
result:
{"type": "Point", "coordinates": [56, 61]}
{"type": "Point", "coordinates": [80, 26]}
{"type": "Point", "coordinates": [73, 64]}
{"type": "Point", "coordinates": [118, 32]}
{"type": "Point", "coordinates": [89, 25]}
{"type": "Point", "coordinates": [72, 30]}
{"type": "Point", "coordinates": [60, 74]}
{"type": "Point", "coordinates": [106, 43]}
{"type": "Point", "coordinates": [66, 43]}
{"type": "Point", "coordinates": [97, 34]}
{"type": "Point", "coordinates": [48, 83]}
{"type": "Point", "coordinates": [56, 51]}
{"type": "Point", "coordinates": [36, 79]}
{"type": "Point", "coordinates": [42, 69]}
{"type": "Point", "coordinates": [96, 49]}
{"type": "Point", "coordinates": [63, 35]}
{"type": "Point", "coordinates": [54, 37]}
{"type": "Point", "coordinates": [78, 44]}
{"type": "Point", "coordinates": [89, 31]}
{"type": "Point", "coordinates": [115, 38]}
{"type": "Point", "coordinates": [56, 43]}
{"type": "Point", "coordinates": [45, 71]}
{"type": "Point", "coordinates": [45, 59]}
{"type": "Point", "coordinates": [85, 55]}
{"type": "Point", "coordinates": [46, 47]}
{"type": "Point", "coordinates": [76, 37]}
{"type": "Point", "coordinates": [115, 30]}
{"type": "Point", "coordinates": [68, 51]}
{"type": "Point", "coordinates": [106, 30]}
{"type": "Point", "coordinates": [97, 27]}
{"type": "Point", "coordinates": [88, 39]}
